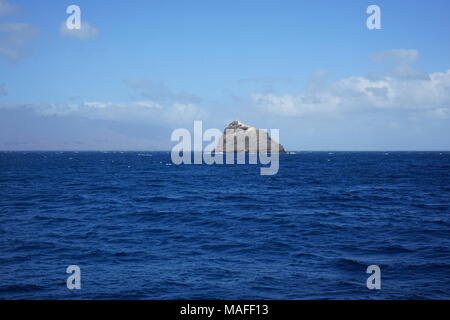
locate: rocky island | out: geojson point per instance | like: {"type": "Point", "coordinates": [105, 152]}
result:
{"type": "Point", "coordinates": [241, 138]}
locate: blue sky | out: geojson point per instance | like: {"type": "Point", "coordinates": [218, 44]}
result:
{"type": "Point", "coordinates": [143, 68]}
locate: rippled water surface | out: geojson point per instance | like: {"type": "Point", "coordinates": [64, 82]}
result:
{"type": "Point", "coordinates": [142, 228]}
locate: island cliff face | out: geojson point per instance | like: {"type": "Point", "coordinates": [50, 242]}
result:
{"type": "Point", "coordinates": [241, 138]}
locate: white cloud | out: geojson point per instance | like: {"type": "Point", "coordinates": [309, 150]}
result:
{"type": "Point", "coordinates": [87, 31]}
{"type": "Point", "coordinates": [403, 89]}
{"type": "Point", "coordinates": [15, 38]}
{"type": "Point", "coordinates": [359, 93]}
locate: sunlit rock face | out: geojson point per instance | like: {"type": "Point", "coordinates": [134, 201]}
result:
{"type": "Point", "coordinates": [241, 138]}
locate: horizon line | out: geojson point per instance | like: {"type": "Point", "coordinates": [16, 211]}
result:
{"type": "Point", "coordinates": [137, 150]}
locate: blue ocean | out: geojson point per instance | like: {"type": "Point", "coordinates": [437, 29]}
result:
{"type": "Point", "coordinates": [140, 227]}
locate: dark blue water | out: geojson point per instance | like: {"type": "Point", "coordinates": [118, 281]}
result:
{"type": "Point", "coordinates": [140, 228]}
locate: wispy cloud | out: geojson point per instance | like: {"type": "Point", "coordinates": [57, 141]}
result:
{"type": "Point", "coordinates": [3, 90]}
{"type": "Point", "coordinates": [267, 83]}
{"type": "Point", "coordinates": [6, 8]}
{"type": "Point", "coordinates": [23, 129]}
{"type": "Point", "coordinates": [268, 80]}
{"type": "Point", "coordinates": [15, 39]}
{"type": "Point", "coordinates": [87, 31]}
{"type": "Point", "coordinates": [143, 112]}
{"type": "Point", "coordinates": [397, 55]}
{"type": "Point", "coordinates": [158, 91]}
